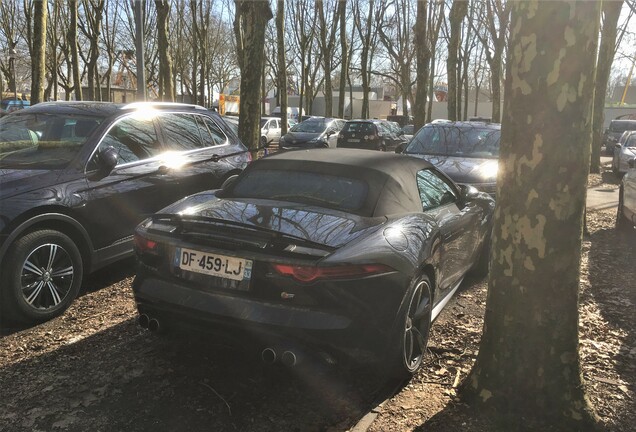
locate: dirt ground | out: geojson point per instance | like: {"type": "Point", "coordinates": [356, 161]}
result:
{"type": "Point", "coordinates": [94, 369]}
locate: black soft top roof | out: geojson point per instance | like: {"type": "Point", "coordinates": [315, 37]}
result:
{"type": "Point", "coordinates": [390, 177]}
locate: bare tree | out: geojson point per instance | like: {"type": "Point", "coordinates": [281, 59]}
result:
{"type": "Point", "coordinates": [91, 26]}
{"type": "Point", "coordinates": [528, 362]}
{"type": "Point", "coordinates": [327, 42]}
{"type": "Point", "coordinates": [607, 50]}
{"type": "Point", "coordinates": [282, 63]}
{"type": "Point", "coordinates": [39, 51]}
{"type": "Point", "coordinates": [72, 37]}
{"type": "Point", "coordinates": [344, 55]}
{"type": "Point", "coordinates": [396, 37]}
{"type": "Point", "coordinates": [250, 19]}
{"type": "Point", "coordinates": [457, 14]}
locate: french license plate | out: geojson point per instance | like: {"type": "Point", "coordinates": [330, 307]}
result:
{"type": "Point", "coordinates": [222, 266]}
{"type": "Point", "coordinates": [354, 139]}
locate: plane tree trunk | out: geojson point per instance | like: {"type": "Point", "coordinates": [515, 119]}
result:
{"type": "Point", "coordinates": [528, 363]}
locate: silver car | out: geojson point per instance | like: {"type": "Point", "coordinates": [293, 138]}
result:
{"type": "Point", "coordinates": [626, 216]}
{"type": "Point", "coordinates": [624, 151]}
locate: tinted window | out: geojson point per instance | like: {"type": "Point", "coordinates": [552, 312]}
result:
{"type": "Point", "coordinates": [622, 126]}
{"type": "Point", "coordinates": [309, 188]}
{"type": "Point", "coordinates": [434, 191]}
{"type": "Point", "coordinates": [359, 127]}
{"type": "Point", "coordinates": [43, 140]}
{"type": "Point", "coordinates": [134, 139]}
{"type": "Point", "coordinates": [467, 141]}
{"type": "Point", "coordinates": [181, 131]}
{"type": "Point", "coordinates": [211, 132]}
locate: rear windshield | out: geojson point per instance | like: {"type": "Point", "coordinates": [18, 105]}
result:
{"type": "Point", "coordinates": [465, 141]}
{"type": "Point", "coordinates": [42, 141]}
{"type": "Point", "coordinates": [622, 126]}
{"type": "Point", "coordinates": [323, 190]}
{"type": "Point", "coordinates": [360, 127]}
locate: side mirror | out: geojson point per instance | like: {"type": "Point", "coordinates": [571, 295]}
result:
{"type": "Point", "coordinates": [617, 145]}
{"type": "Point", "coordinates": [469, 192]}
{"type": "Point", "coordinates": [400, 148]}
{"type": "Point", "coordinates": [107, 160]}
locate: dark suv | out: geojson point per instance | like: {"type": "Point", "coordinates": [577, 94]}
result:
{"type": "Point", "coordinates": [371, 135]}
{"type": "Point", "coordinates": [77, 177]}
{"type": "Point", "coordinates": [468, 152]}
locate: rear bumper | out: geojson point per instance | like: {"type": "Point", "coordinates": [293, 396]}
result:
{"type": "Point", "coordinates": [363, 336]}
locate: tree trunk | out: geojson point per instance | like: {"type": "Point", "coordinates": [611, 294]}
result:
{"type": "Point", "coordinates": [72, 37]}
{"type": "Point", "coordinates": [250, 21]}
{"type": "Point", "coordinates": [344, 64]}
{"type": "Point", "coordinates": [282, 63]}
{"type": "Point", "coordinates": [495, 84]}
{"type": "Point", "coordinates": [528, 363]}
{"type": "Point", "coordinates": [423, 54]}
{"type": "Point", "coordinates": [457, 14]}
{"type": "Point", "coordinates": [611, 12]}
{"type": "Point", "coordinates": [166, 91]}
{"type": "Point", "coordinates": [39, 51]}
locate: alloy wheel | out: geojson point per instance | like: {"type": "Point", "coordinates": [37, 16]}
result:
{"type": "Point", "coordinates": [46, 276]}
{"type": "Point", "coordinates": [416, 327]}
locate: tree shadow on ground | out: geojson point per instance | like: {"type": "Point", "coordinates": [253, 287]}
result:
{"type": "Point", "coordinates": [126, 378]}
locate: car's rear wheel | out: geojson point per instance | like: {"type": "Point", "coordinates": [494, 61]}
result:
{"type": "Point", "coordinates": [41, 277]}
{"type": "Point", "coordinates": [412, 331]}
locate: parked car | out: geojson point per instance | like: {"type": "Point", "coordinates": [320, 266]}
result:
{"type": "Point", "coordinates": [614, 132]}
{"type": "Point", "coordinates": [337, 252]}
{"type": "Point", "coordinates": [626, 214]}
{"type": "Point", "coordinates": [271, 128]}
{"type": "Point", "coordinates": [369, 135]}
{"type": "Point", "coordinates": [10, 105]}
{"type": "Point", "coordinates": [467, 152]}
{"type": "Point", "coordinates": [624, 151]}
{"type": "Point", "coordinates": [408, 131]}
{"type": "Point", "coordinates": [315, 132]}
{"type": "Point", "coordinates": [77, 177]}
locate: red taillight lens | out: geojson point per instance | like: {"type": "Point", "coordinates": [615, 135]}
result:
{"type": "Point", "coordinates": [312, 274]}
{"type": "Point", "coordinates": [144, 245]}
{"type": "Point", "coordinates": [249, 157]}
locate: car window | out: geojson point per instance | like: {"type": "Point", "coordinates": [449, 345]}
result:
{"type": "Point", "coordinates": [211, 132]}
{"type": "Point", "coordinates": [134, 139]}
{"type": "Point", "coordinates": [43, 141]}
{"type": "Point", "coordinates": [310, 126]}
{"type": "Point", "coordinates": [631, 140]}
{"type": "Point", "coordinates": [359, 127]}
{"type": "Point", "coordinates": [331, 191]}
{"type": "Point", "coordinates": [464, 141]}
{"type": "Point", "coordinates": [181, 131]}
{"type": "Point", "coordinates": [434, 191]}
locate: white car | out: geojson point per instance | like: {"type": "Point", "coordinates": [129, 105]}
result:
{"type": "Point", "coordinates": [626, 215]}
{"type": "Point", "coordinates": [624, 151]}
{"type": "Point", "coordinates": [271, 130]}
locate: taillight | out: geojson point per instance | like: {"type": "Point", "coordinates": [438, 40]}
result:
{"type": "Point", "coordinates": [144, 245]}
{"type": "Point", "coordinates": [249, 157]}
{"type": "Point", "coordinates": [312, 273]}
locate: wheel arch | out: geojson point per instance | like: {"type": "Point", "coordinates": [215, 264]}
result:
{"type": "Point", "coordinates": [51, 218]}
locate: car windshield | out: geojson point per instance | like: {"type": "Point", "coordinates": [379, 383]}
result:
{"type": "Point", "coordinates": [42, 141]}
{"type": "Point", "coordinates": [631, 140]}
{"type": "Point", "coordinates": [311, 126]}
{"type": "Point", "coordinates": [476, 142]}
{"type": "Point", "coordinates": [622, 126]}
{"type": "Point", "coordinates": [336, 192]}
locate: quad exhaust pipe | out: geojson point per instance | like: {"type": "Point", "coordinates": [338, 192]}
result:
{"type": "Point", "coordinates": [146, 322]}
{"type": "Point", "coordinates": [143, 321]}
{"type": "Point", "coordinates": [289, 358]}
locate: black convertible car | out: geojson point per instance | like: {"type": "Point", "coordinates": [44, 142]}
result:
{"type": "Point", "coordinates": [333, 252]}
